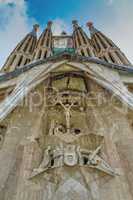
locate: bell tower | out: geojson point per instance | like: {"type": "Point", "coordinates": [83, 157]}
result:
{"type": "Point", "coordinates": [105, 47]}
{"type": "Point", "coordinates": [23, 53]}
{"type": "Point", "coordinates": [82, 43]}
{"type": "Point", "coordinates": [44, 44]}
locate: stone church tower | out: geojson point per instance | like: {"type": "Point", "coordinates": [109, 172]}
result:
{"type": "Point", "coordinates": [66, 120]}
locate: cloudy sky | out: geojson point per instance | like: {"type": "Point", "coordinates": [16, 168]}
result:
{"type": "Point", "coordinates": [113, 17]}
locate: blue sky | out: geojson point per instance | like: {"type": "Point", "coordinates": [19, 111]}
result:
{"type": "Point", "coordinates": [67, 10]}
{"type": "Point", "coordinates": [113, 17]}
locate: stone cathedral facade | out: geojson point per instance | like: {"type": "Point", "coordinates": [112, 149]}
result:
{"type": "Point", "coordinates": [66, 120]}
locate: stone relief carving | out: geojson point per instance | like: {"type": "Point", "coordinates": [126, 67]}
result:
{"type": "Point", "coordinates": [72, 155]}
{"type": "Point", "coordinates": [46, 162]}
{"type": "Point", "coordinates": [74, 149]}
{"type": "Point", "coordinates": [60, 131]}
{"type": "Point", "coordinates": [67, 103]}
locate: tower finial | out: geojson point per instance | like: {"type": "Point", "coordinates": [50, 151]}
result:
{"type": "Point", "coordinates": [36, 27]}
{"type": "Point", "coordinates": [75, 23]}
{"type": "Point", "coordinates": [34, 30]}
{"type": "Point", "coordinates": [49, 24]}
{"type": "Point", "coordinates": [89, 24]}
{"type": "Point", "coordinates": [92, 29]}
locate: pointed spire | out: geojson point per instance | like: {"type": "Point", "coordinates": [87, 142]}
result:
{"type": "Point", "coordinates": [81, 41]}
{"type": "Point", "coordinates": [75, 24]}
{"type": "Point", "coordinates": [44, 44]}
{"type": "Point", "coordinates": [105, 47]}
{"type": "Point", "coordinates": [23, 53]}
{"type": "Point", "coordinates": [35, 30]}
{"type": "Point", "coordinates": [92, 29]}
{"type": "Point", "coordinates": [49, 24]}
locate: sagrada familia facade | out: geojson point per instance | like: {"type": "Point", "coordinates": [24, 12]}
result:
{"type": "Point", "coordinates": [66, 119]}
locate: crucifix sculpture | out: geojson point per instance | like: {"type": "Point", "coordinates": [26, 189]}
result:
{"type": "Point", "coordinates": [67, 106]}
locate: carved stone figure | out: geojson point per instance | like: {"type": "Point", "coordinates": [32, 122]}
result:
{"type": "Point", "coordinates": [59, 129]}
{"type": "Point", "coordinates": [67, 106]}
{"type": "Point", "coordinates": [80, 157]}
{"type": "Point", "coordinates": [70, 155]}
{"type": "Point", "coordinates": [45, 164]}
{"type": "Point", "coordinates": [58, 156]}
{"type": "Point", "coordinates": [95, 161]}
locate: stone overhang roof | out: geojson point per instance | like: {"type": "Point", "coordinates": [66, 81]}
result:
{"type": "Point", "coordinates": [65, 55]}
{"type": "Point", "coordinates": [21, 81]}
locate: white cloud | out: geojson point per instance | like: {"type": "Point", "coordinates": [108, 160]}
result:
{"type": "Point", "coordinates": [123, 36]}
{"type": "Point", "coordinates": [16, 2]}
{"type": "Point", "coordinates": [120, 30]}
{"type": "Point", "coordinates": [14, 24]}
{"type": "Point", "coordinates": [60, 25]}
{"type": "Point", "coordinates": [109, 2]}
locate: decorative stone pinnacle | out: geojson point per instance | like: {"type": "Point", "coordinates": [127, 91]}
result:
{"type": "Point", "coordinates": [75, 23]}
{"type": "Point", "coordinates": [92, 29]}
{"type": "Point", "coordinates": [89, 24]}
{"type": "Point", "coordinates": [36, 27]}
{"type": "Point", "coordinates": [49, 24]}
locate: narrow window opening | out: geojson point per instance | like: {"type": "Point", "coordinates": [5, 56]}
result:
{"type": "Point", "coordinates": [32, 46]}
{"type": "Point", "coordinates": [119, 56]}
{"type": "Point", "coordinates": [27, 61]}
{"type": "Point", "coordinates": [97, 45]}
{"type": "Point", "coordinates": [39, 54]}
{"type": "Point", "coordinates": [27, 44]}
{"type": "Point", "coordinates": [111, 57]}
{"type": "Point", "coordinates": [78, 38]}
{"type": "Point", "coordinates": [104, 58]}
{"type": "Point", "coordinates": [103, 44]}
{"type": "Point", "coordinates": [85, 159]}
{"type": "Point", "coordinates": [82, 53]}
{"type": "Point", "coordinates": [88, 51]}
{"type": "Point", "coordinates": [45, 55]}
{"type": "Point", "coordinates": [43, 38]}
{"type": "Point", "coordinates": [84, 39]}
{"type": "Point", "coordinates": [20, 61]}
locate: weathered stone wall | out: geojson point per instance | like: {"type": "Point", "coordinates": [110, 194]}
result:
{"type": "Point", "coordinates": [22, 151]}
